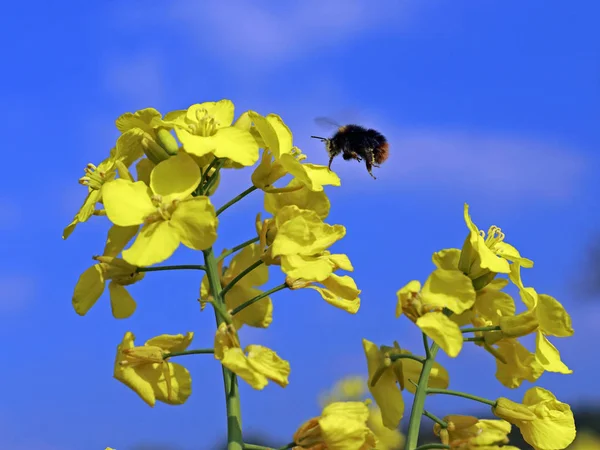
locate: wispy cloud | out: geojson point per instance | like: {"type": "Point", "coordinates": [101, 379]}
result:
{"type": "Point", "coordinates": [138, 79]}
{"type": "Point", "coordinates": [275, 32]}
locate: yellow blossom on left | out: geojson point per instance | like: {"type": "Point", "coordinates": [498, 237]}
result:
{"type": "Point", "coordinates": [148, 372]}
{"type": "Point", "coordinates": [167, 210]}
{"type": "Point", "coordinates": [118, 273]}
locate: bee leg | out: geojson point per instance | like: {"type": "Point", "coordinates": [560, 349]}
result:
{"type": "Point", "coordinates": [355, 156]}
{"type": "Point", "coordinates": [330, 161]}
{"type": "Point", "coordinates": [369, 167]}
{"type": "Point", "coordinates": [373, 160]}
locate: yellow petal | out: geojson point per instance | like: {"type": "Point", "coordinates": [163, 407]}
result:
{"type": "Point", "coordinates": [195, 223]}
{"type": "Point", "coordinates": [118, 237]}
{"type": "Point", "coordinates": [127, 203]}
{"type": "Point", "coordinates": [313, 176]}
{"type": "Point", "coordinates": [171, 343]}
{"type": "Point", "coordinates": [235, 360]}
{"type": "Point", "coordinates": [438, 377]}
{"type": "Point", "coordinates": [267, 362]}
{"type": "Point", "coordinates": [88, 289]}
{"type": "Point", "coordinates": [340, 292]}
{"type": "Point", "coordinates": [386, 392]}
{"type": "Point", "coordinates": [554, 320]}
{"type": "Point", "coordinates": [259, 314]}
{"type": "Point", "coordinates": [127, 375]}
{"type": "Point", "coordinates": [492, 305]}
{"type": "Point", "coordinates": [548, 356]}
{"type": "Point", "coordinates": [70, 228]}
{"type": "Point", "coordinates": [178, 387]}
{"type": "Point", "coordinates": [554, 427]}
{"type": "Point", "coordinates": [154, 244]}
{"type": "Point", "coordinates": [129, 147]}
{"type": "Point", "coordinates": [235, 144]}
{"type": "Point", "coordinates": [121, 302]}
{"type": "Point", "coordinates": [448, 289]}
{"type": "Point", "coordinates": [520, 364]}
{"type": "Point", "coordinates": [447, 259]}
{"type": "Point", "coordinates": [222, 111]}
{"type": "Point", "coordinates": [405, 295]}
{"type": "Point", "coordinates": [303, 198]}
{"type": "Point", "coordinates": [244, 259]}
{"type": "Point", "coordinates": [144, 118]}
{"type": "Point", "coordinates": [175, 178]}
{"type": "Point", "coordinates": [443, 331]}
{"type": "Point", "coordinates": [309, 268]}
{"type": "Point", "coordinates": [143, 169]}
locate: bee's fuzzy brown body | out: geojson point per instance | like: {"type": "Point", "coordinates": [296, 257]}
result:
{"type": "Point", "coordinates": [356, 142]}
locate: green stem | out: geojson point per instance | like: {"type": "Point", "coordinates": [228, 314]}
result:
{"type": "Point", "coordinates": [178, 267]}
{"type": "Point", "coordinates": [395, 358]}
{"type": "Point", "coordinates": [463, 395]}
{"type": "Point", "coordinates": [226, 253]}
{"type": "Point", "coordinates": [420, 395]}
{"type": "Point", "coordinates": [432, 446]}
{"type": "Point", "coordinates": [235, 440]}
{"type": "Point", "coordinates": [474, 339]}
{"type": "Point", "coordinates": [477, 329]}
{"type": "Point", "coordinates": [241, 275]}
{"type": "Point", "coordinates": [213, 178]}
{"type": "Point", "coordinates": [258, 298]}
{"type": "Point", "coordinates": [236, 199]}
{"type": "Point", "coordinates": [426, 345]}
{"type": "Point", "coordinates": [201, 351]}
{"type": "Point", "coordinates": [436, 419]}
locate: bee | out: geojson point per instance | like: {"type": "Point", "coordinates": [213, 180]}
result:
{"type": "Point", "coordinates": [356, 142]}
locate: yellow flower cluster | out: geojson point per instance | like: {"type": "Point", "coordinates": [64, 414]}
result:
{"type": "Point", "coordinates": [178, 159]}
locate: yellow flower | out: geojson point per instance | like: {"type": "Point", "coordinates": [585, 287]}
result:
{"type": "Point", "coordinates": [341, 426]}
{"type": "Point", "coordinates": [123, 155]}
{"type": "Point", "coordinates": [280, 157]}
{"type": "Point", "coordinates": [169, 214]}
{"type": "Point", "coordinates": [483, 256]}
{"type": "Point", "coordinates": [444, 290]}
{"type": "Point", "coordinates": [339, 291]}
{"type": "Point", "coordinates": [296, 193]}
{"type": "Point", "coordinates": [545, 422]}
{"type": "Point", "coordinates": [256, 364]}
{"type": "Point", "coordinates": [259, 314]}
{"type": "Point", "coordinates": [520, 364]}
{"type": "Point", "coordinates": [207, 128]}
{"type": "Point", "coordinates": [351, 388]}
{"type": "Point", "coordinates": [302, 232]}
{"type": "Point", "coordinates": [385, 375]}
{"type": "Point", "coordinates": [144, 369]}
{"type": "Point", "coordinates": [92, 282]}
{"type": "Point", "coordinates": [147, 120]}
{"type": "Point", "coordinates": [314, 268]}
{"type": "Point", "coordinates": [386, 439]}
{"type": "Point", "coordinates": [470, 433]}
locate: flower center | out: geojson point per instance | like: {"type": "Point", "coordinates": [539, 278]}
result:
{"type": "Point", "coordinates": [494, 236]}
{"type": "Point", "coordinates": [206, 125]}
{"type": "Point", "coordinates": [164, 211]}
{"type": "Point", "coordinates": [93, 177]}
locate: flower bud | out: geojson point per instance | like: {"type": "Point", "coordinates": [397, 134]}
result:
{"type": "Point", "coordinates": [167, 141]}
{"type": "Point", "coordinates": [508, 410]}
{"type": "Point", "coordinates": [153, 151]}
{"type": "Point", "coordinates": [519, 325]}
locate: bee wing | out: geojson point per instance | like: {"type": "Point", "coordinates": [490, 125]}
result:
{"type": "Point", "coordinates": [326, 122]}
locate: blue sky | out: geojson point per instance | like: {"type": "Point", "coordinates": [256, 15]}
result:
{"type": "Point", "coordinates": [491, 103]}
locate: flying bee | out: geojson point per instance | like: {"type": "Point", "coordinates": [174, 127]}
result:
{"type": "Point", "coordinates": [356, 142]}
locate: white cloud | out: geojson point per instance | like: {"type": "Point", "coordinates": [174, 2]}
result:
{"type": "Point", "coordinates": [503, 166]}
{"type": "Point", "coordinates": [16, 292]}
{"type": "Point", "coordinates": [272, 31]}
{"type": "Point", "coordinates": [139, 79]}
